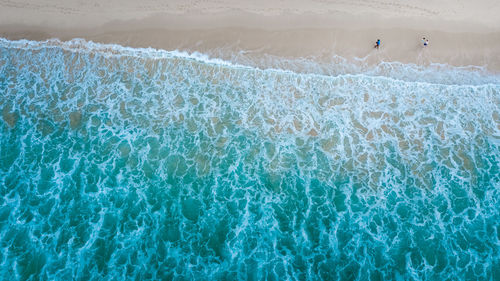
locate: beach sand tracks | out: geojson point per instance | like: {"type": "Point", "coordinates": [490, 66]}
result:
{"type": "Point", "coordinates": [275, 7]}
{"type": "Point", "coordinates": [379, 5]}
{"type": "Point", "coordinates": [298, 7]}
{"type": "Point", "coordinates": [84, 7]}
{"type": "Point", "coordinates": [40, 6]}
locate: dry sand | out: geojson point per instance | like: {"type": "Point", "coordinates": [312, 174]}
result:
{"type": "Point", "coordinates": [461, 32]}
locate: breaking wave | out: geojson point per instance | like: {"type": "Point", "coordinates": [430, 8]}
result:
{"type": "Point", "coordinates": [139, 163]}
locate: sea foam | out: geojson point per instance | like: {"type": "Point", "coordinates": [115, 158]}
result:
{"type": "Point", "coordinates": [139, 163]}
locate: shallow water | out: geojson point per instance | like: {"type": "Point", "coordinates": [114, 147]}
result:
{"type": "Point", "coordinates": [137, 163]}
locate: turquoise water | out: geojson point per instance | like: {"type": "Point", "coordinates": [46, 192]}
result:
{"type": "Point", "coordinates": [120, 163]}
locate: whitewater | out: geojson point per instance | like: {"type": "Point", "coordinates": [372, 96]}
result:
{"type": "Point", "coordinates": [124, 163]}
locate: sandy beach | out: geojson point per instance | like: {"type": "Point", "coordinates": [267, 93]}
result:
{"type": "Point", "coordinates": [260, 140]}
{"type": "Point", "coordinates": [461, 33]}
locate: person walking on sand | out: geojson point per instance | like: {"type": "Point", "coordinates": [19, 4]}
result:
{"type": "Point", "coordinates": [425, 41]}
{"type": "Point", "coordinates": [377, 44]}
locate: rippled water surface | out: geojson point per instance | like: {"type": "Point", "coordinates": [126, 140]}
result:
{"type": "Point", "coordinates": [119, 163]}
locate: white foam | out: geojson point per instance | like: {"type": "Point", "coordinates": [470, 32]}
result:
{"type": "Point", "coordinates": [435, 73]}
{"type": "Point", "coordinates": [347, 108]}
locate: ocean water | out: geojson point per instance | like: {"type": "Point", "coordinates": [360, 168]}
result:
{"type": "Point", "coordinates": [120, 163]}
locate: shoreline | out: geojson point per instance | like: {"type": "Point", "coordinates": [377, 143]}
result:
{"type": "Point", "coordinates": [432, 74]}
{"type": "Point", "coordinates": [289, 35]}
